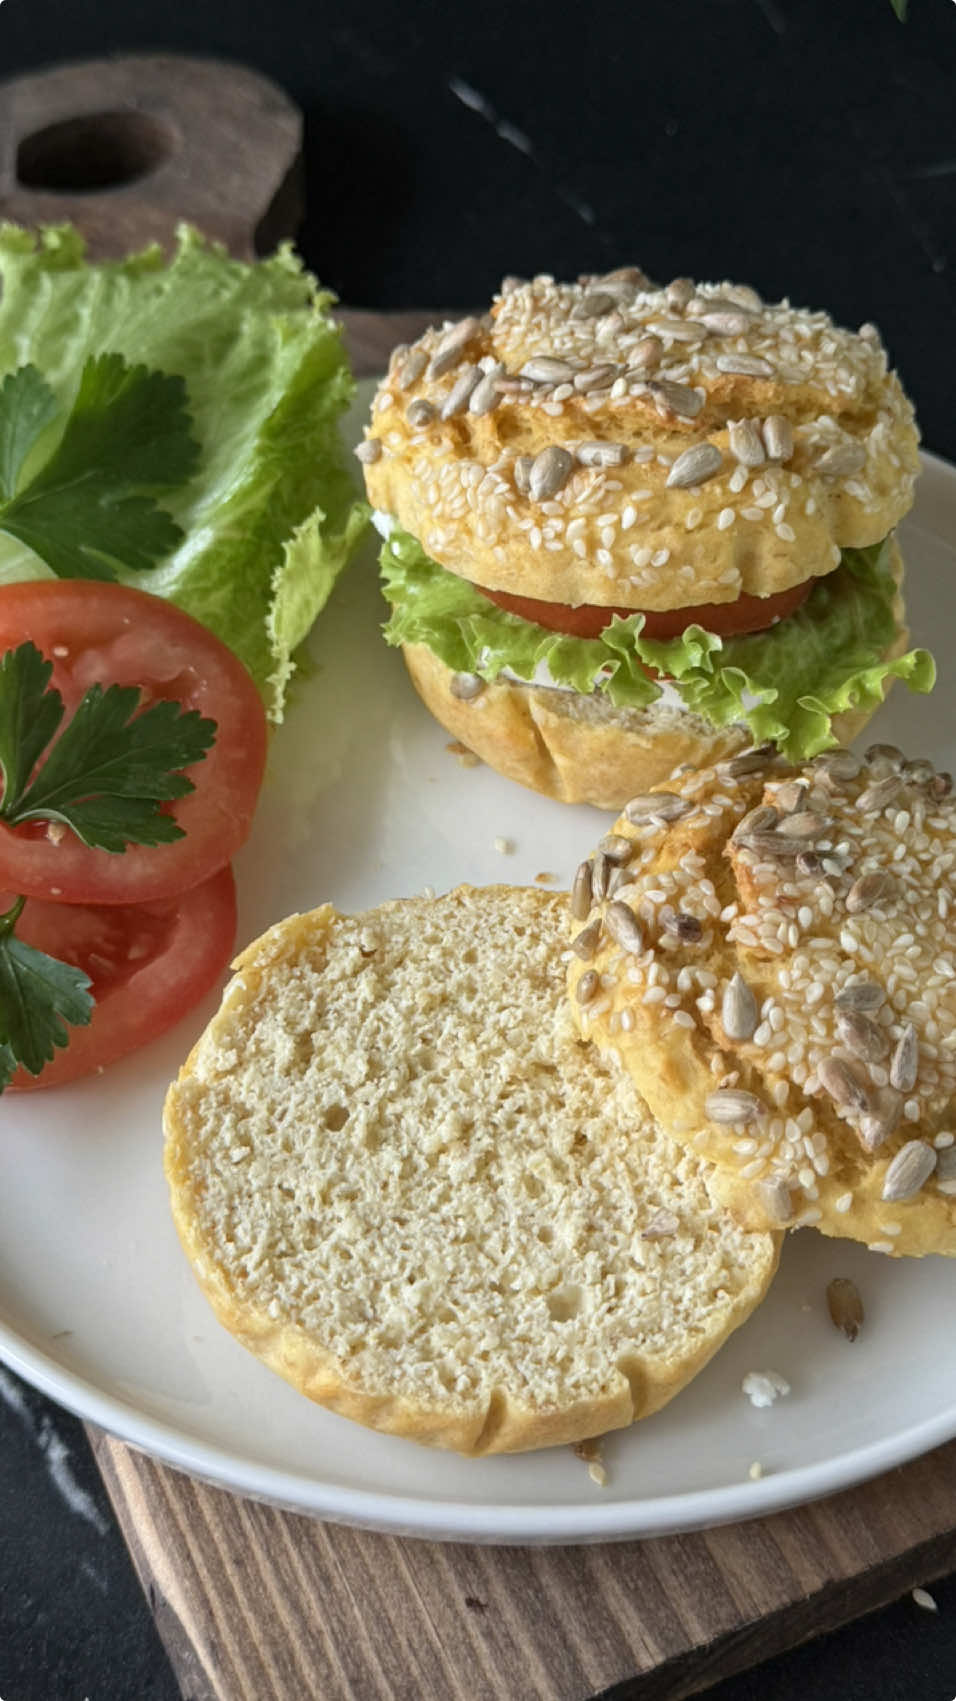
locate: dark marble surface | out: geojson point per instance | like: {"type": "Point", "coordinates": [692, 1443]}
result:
{"type": "Point", "coordinates": [808, 146]}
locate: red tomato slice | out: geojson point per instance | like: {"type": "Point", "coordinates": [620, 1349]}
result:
{"type": "Point", "coordinates": [726, 619]}
{"type": "Point", "coordinates": [149, 964]}
{"type": "Point", "coordinates": [109, 634]}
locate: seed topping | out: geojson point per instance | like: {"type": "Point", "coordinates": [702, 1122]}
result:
{"type": "Point", "coordinates": [695, 466]}
{"type": "Point", "coordinates": [907, 1172]}
{"type": "Point", "coordinates": [845, 1306]}
{"type": "Point", "coordinates": [732, 1104]}
{"type": "Point", "coordinates": [624, 927]}
{"type": "Point", "coordinates": [550, 471]}
{"type": "Point", "coordinates": [738, 1009]}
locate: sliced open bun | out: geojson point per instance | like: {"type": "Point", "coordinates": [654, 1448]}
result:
{"type": "Point", "coordinates": [406, 1185]}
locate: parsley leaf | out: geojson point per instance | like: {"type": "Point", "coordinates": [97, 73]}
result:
{"type": "Point", "coordinates": [112, 766]}
{"type": "Point", "coordinates": [91, 509]}
{"type": "Point", "coordinates": [38, 995]}
{"type": "Point", "coordinates": [27, 405]}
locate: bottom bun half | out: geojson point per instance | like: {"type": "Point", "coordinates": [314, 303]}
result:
{"type": "Point", "coordinates": [582, 749]}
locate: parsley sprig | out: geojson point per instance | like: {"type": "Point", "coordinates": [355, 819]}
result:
{"type": "Point", "coordinates": [111, 769]}
{"type": "Point", "coordinates": [38, 996]}
{"type": "Point", "coordinates": [105, 777]}
{"type": "Point", "coordinates": [91, 509]}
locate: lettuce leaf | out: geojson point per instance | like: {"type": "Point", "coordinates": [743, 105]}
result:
{"type": "Point", "coordinates": [785, 684]}
{"type": "Point", "coordinates": [271, 516]}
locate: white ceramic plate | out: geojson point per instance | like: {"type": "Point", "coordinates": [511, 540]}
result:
{"type": "Point", "coordinates": [98, 1308]}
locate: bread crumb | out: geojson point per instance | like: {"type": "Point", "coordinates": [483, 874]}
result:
{"type": "Point", "coordinates": [546, 879]}
{"type": "Point", "coordinates": [466, 757]}
{"type": "Point", "coordinates": [590, 1450]}
{"type": "Point", "coordinates": [763, 1387]}
{"type": "Point", "coordinates": [504, 847]}
{"type": "Point", "coordinates": [756, 1471]}
{"type": "Point", "coordinates": [924, 1599]}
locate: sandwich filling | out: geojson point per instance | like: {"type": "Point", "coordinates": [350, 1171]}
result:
{"type": "Point", "coordinates": [784, 683]}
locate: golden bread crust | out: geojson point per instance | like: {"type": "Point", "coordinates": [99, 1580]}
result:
{"type": "Point", "coordinates": [838, 465]}
{"type": "Point", "coordinates": [832, 1104]}
{"type": "Point", "coordinates": [646, 1369]}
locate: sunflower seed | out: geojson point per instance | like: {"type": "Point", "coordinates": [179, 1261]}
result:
{"type": "Point", "coordinates": [592, 305]}
{"type": "Point", "coordinates": [845, 1306]}
{"type": "Point", "coordinates": [726, 321]}
{"type": "Point", "coordinates": [777, 434]}
{"type": "Point", "coordinates": [808, 862]}
{"type": "Point", "coordinates": [842, 1082]}
{"type": "Point", "coordinates": [875, 797]}
{"type": "Point", "coordinates": [870, 889]}
{"type": "Point", "coordinates": [732, 1104]}
{"type": "Point", "coordinates": [842, 461]}
{"type": "Point", "coordinates": [695, 466]}
{"type": "Point", "coordinates": [678, 330]}
{"type": "Point", "coordinates": [550, 471]}
{"type": "Point", "coordinates": [860, 995]}
{"type": "Point", "coordinates": [459, 395]}
{"type": "Point", "coordinates": [748, 762]}
{"type": "Point", "coordinates": [369, 451]}
{"type": "Point", "coordinates": [675, 398]}
{"type": "Point", "coordinates": [746, 444]}
{"type": "Point", "coordinates": [839, 764]}
{"type": "Point", "coordinates": [905, 1060]}
{"type": "Point", "coordinates": [596, 378]}
{"type": "Point", "coordinates": [662, 1225]}
{"type": "Point", "coordinates": [861, 1035]}
{"type": "Point", "coordinates": [666, 805]}
{"type": "Point", "coordinates": [941, 785]}
{"type": "Point", "coordinates": [743, 296]}
{"type": "Point", "coordinates": [776, 1200]}
{"type": "Point", "coordinates": [738, 1009]}
{"type": "Point", "coordinates": [627, 275]}
{"type": "Point", "coordinates": [522, 473]}
{"type": "Point", "coordinates": [875, 1128]}
{"type": "Point", "coordinates": [644, 356]}
{"type": "Point", "coordinates": [686, 927]}
{"type": "Point", "coordinates": [617, 848]}
{"type": "Point", "coordinates": [759, 820]}
{"type": "Point", "coordinates": [913, 1164]}
{"type": "Point", "coordinates": [585, 943]}
{"type": "Point", "coordinates": [587, 987]}
{"type": "Point", "coordinates": [419, 413]}
{"type": "Point", "coordinates": [411, 370]}
{"type": "Point", "coordinates": [452, 345]}
{"type": "Point", "coordinates": [546, 369]}
{"type": "Point", "coordinates": [919, 772]}
{"type": "Point", "coordinates": [466, 686]}
{"type": "Point", "coordinates": [805, 824]}
{"type": "Point", "coordinates": [748, 365]}
{"type": "Point", "coordinates": [581, 892]}
{"type": "Point", "coordinates": [601, 454]}
{"type": "Point", "coordinates": [624, 928]}
{"type": "Point", "coordinates": [600, 875]}
{"type": "Point", "coordinates": [885, 753]}
{"type": "Point", "coordinates": [486, 395]}
{"type": "Point", "coordinates": [679, 291]}
{"type": "Point", "coordinates": [791, 797]}
{"type": "Point", "coordinates": [774, 845]}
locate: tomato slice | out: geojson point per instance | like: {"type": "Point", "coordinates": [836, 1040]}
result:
{"type": "Point", "coordinates": [109, 634]}
{"type": "Point", "coordinates": [726, 619]}
{"type": "Point", "coordinates": [148, 963]}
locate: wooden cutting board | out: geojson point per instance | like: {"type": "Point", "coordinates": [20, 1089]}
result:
{"type": "Point", "coordinates": [255, 1604]}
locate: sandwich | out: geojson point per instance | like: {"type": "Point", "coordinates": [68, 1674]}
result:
{"type": "Point", "coordinates": [628, 528]}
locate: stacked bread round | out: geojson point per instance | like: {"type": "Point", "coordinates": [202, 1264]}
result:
{"type": "Point", "coordinates": [406, 1185]}
{"type": "Point", "coordinates": [770, 952]}
{"type": "Point", "coordinates": [613, 445]}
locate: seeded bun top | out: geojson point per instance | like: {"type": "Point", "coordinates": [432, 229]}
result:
{"type": "Point", "coordinates": [617, 443]}
{"type": "Point", "coordinates": [770, 952]}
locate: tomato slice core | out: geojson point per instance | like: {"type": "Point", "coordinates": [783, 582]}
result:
{"type": "Point", "coordinates": [725, 619]}
{"type": "Point", "coordinates": [110, 634]}
{"type": "Point", "coordinates": [148, 964]}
